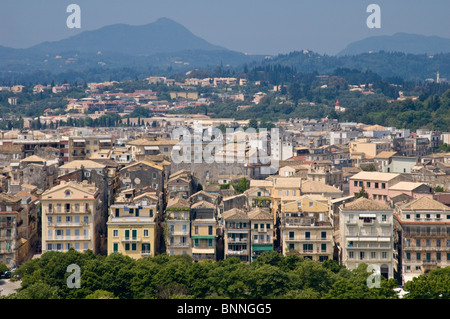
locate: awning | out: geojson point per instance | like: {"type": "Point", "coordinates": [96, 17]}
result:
{"type": "Point", "coordinates": [105, 141]}
{"type": "Point", "coordinates": [203, 251]}
{"type": "Point", "coordinates": [80, 141]}
{"type": "Point", "coordinates": [151, 148]}
{"type": "Point", "coordinates": [367, 216]}
{"type": "Point", "coordinates": [262, 248]}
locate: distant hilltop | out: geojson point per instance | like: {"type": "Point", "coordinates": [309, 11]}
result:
{"type": "Point", "coordinates": [162, 36]}
{"type": "Point", "coordinates": [399, 42]}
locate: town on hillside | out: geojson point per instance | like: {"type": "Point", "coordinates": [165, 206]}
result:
{"type": "Point", "coordinates": [319, 189]}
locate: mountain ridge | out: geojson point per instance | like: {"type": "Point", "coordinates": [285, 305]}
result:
{"type": "Point", "coordinates": [399, 42]}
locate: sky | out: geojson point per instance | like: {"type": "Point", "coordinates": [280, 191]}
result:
{"type": "Point", "coordinates": [251, 26]}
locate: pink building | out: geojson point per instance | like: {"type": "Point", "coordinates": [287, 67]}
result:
{"type": "Point", "coordinates": [376, 184]}
{"type": "Point", "coordinates": [415, 190]}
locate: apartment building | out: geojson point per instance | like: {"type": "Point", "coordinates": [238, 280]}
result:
{"type": "Point", "coordinates": [178, 226]}
{"type": "Point", "coordinates": [142, 174]}
{"type": "Point", "coordinates": [261, 231]}
{"type": "Point", "coordinates": [71, 217]}
{"type": "Point", "coordinates": [307, 229]}
{"type": "Point", "coordinates": [143, 147]}
{"type": "Point", "coordinates": [180, 184]}
{"type": "Point", "coordinates": [204, 226]}
{"type": "Point", "coordinates": [424, 234]}
{"type": "Point", "coordinates": [366, 233]}
{"type": "Point", "coordinates": [83, 147]}
{"type": "Point", "coordinates": [237, 234]}
{"type": "Point", "coordinates": [132, 227]}
{"type": "Point", "coordinates": [10, 219]}
{"type": "Point", "coordinates": [376, 184]}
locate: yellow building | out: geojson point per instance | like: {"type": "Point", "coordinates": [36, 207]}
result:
{"type": "Point", "coordinates": [132, 227]}
{"type": "Point", "coordinates": [306, 228]}
{"type": "Point", "coordinates": [71, 217]}
{"type": "Point", "coordinates": [84, 147]}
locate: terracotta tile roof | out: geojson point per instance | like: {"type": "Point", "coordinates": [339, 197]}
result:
{"type": "Point", "coordinates": [425, 203]}
{"type": "Point", "coordinates": [366, 205]}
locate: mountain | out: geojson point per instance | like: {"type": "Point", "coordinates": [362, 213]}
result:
{"type": "Point", "coordinates": [399, 42]}
{"type": "Point", "coordinates": [161, 36]}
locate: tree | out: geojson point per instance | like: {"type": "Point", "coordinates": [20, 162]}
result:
{"type": "Point", "coordinates": [253, 123]}
{"type": "Point", "coordinates": [369, 168]}
{"type": "Point", "coordinates": [101, 294]}
{"type": "Point", "coordinates": [242, 185]}
{"type": "Point", "coordinates": [362, 193]}
{"type": "Point", "coordinates": [3, 267]}
{"type": "Point", "coordinates": [439, 189]}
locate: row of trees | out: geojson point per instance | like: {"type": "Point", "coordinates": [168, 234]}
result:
{"type": "Point", "coordinates": [118, 276]}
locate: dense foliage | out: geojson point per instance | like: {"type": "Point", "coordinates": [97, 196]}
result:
{"type": "Point", "coordinates": [271, 276]}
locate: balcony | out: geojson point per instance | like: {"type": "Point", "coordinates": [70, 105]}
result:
{"type": "Point", "coordinates": [146, 253]}
{"type": "Point", "coordinates": [179, 245]}
{"type": "Point", "coordinates": [237, 252]}
{"type": "Point", "coordinates": [237, 240]}
{"type": "Point", "coordinates": [131, 239]}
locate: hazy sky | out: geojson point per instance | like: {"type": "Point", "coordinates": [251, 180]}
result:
{"type": "Point", "coordinates": [252, 26]}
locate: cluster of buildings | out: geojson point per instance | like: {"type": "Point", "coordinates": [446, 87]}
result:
{"type": "Point", "coordinates": [344, 191]}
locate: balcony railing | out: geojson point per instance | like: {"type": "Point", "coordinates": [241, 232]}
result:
{"type": "Point", "coordinates": [179, 245]}
{"type": "Point", "coordinates": [146, 253]}
{"type": "Point", "coordinates": [131, 239]}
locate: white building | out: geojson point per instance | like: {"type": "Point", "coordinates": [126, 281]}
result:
{"type": "Point", "coordinates": [366, 228]}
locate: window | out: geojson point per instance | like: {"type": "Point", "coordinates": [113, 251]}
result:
{"type": "Point", "coordinates": [418, 256]}
{"type": "Point", "coordinates": [383, 255]}
{"type": "Point", "coordinates": [268, 226]}
{"type": "Point", "coordinates": [373, 255]}
{"type": "Point", "coordinates": [133, 246]}
{"type": "Point", "coordinates": [117, 212]}
{"type": "Point", "coordinates": [323, 247]}
{"type": "Point", "coordinates": [67, 194]}
{"type": "Point", "coordinates": [210, 230]}
{"type": "Point", "coordinates": [383, 218]}
{"type": "Point", "coordinates": [286, 193]}
{"type": "Point", "coordinates": [383, 185]}
{"type": "Point", "coordinates": [323, 235]}
{"type": "Point", "coordinates": [280, 193]}
{"type": "Point", "coordinates": [154, 175]}
{"type": "Point", "coordinates": [350, 255]}
{"type": "Point", "coordinates": [210, 242]}
{"type": "Point", "coordinates": [86, 219]}
{"type": "Point", "coordinates": [294, 192]}
{"type": "Point", "coordinates": [291, 235]}
{"type": "Point", "coordinates": [307, 235]}
{"type": "Point", "coordinates": [408, 216]}
{"type": "Point", "coordinates": [50, 208]}
{"type": "Point", "coordinates": [127, 233]}
{"type": "Point", "coordinates": [196, 242]}
{"type": "Point", "coordinates": [134, 233]}
{"type": "Point", "coordinates": [438, 243]}
{"type": "Point", "coordinates": [311, 204]}
{"type": "Point", "coordinates": [127, 246]}
{"type": "Point", "coordinates": [376, 185]}
{"type": "Point", "coordinates": [355, 183]}
{"type": "Point", "coordinates": [115, 233]}
{"type": "Point", "coordinates": [438, 256]}
{"type": "Point", "coordinates": [368, 184]}
{"type": "Point", "coordinates": [49, 220]}
{"type": "Point", "coordinates": [408, 256]}
{"type": "Point", "coordinates": [115, 247]}
{"type": "Point", "coordinates": [417, 242]}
